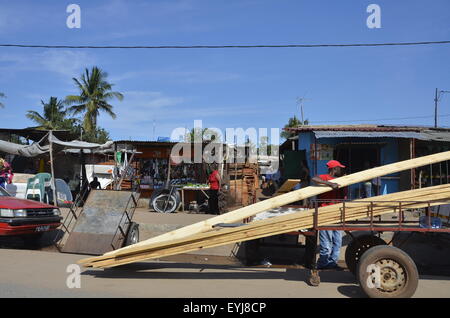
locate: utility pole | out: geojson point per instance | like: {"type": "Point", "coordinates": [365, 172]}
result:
{"type": "Point", "coordinates": [435, 107]}
{"type": "Point", "coordinates": [300, 101]}
{"type": "Point", "coordinates": [437, 96]}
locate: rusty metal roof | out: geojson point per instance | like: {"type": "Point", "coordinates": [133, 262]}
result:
{"type": "Point", "coordinates": [367, 128]}
{"type": "Point", "coordinates": [368, 134]}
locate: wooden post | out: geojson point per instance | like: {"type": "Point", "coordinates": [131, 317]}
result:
{"type": "Point", "coordinates": [411, 156]}
{"type": "Point", "coordinates": [53, 185]}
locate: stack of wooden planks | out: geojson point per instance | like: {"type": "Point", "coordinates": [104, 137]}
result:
{"type": "Point", "coordinates": [328, 215]}
{"type": "Point", "coordinates": [192, 237]}
{"type": "Point", "coordinates": [243, 183]}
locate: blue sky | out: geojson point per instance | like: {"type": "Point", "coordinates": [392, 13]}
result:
{"type": "Point", "coordinates": [230, 88]}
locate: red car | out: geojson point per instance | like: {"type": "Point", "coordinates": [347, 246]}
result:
{"type": "Point", "coordinates": [26, 218]}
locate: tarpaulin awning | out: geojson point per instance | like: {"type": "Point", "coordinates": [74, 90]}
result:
{"type": "Point", "coordinates": [43, 146]}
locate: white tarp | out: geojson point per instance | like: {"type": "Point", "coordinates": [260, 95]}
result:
{"type": "Point", "coordinates": [43, 146]}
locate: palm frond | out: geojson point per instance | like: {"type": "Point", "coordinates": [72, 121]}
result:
{"type": "Point", "coordinates": [94, 93]}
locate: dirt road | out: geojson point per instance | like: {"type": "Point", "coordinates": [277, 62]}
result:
{"type": "Point", "coordinates": [28, 273]}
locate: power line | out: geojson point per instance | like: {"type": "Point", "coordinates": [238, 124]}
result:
{"type": "Point", "coordinates": [220, 46]}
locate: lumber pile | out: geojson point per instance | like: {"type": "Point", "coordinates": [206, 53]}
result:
{"type": "Point", "coordinates": [290, 197]}
{"type": "Point", "coordinates": [328, 215]}
{"type": "Point", "coordinates": [243, 183]}
{"type": "Point", "coordinates": [192, 237]}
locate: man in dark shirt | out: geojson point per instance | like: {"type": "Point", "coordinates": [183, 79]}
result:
{"type": "Point", "coordinates": [330, 241]}
{"type": "Point", "coordinates": [95, 184]}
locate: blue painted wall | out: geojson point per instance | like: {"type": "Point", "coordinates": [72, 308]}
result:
{"type": "Point", "coordinates": [388, 154]}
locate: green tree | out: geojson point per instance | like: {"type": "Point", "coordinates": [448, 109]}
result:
{"type": "Point", "coordinates": [292, 123]}
{"type": "Point", "coordinates": [2, 96]}
{"type": "Point", "coordinates": [205, 134]}
{"type": "Point", "coordinates": [265, 148]}
{"type": "Point", "coordinates": [100, 136]}
{"type": "Point", "coordinates": [94, 95]}
{"type": "Point", "coordinates": [53, 116]}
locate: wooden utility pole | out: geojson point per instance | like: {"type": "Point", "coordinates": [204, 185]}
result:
{"type": "Point", "coordinates": [53, 185]}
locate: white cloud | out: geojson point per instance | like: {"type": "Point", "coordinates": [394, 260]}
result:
{"type": "Point", "coordinates": [67, 63]}
{"type": "Point", "coordinates": [141, 110]}
{"type": "Point", "coordinates": [139, 107]}
{"type": "Point", "coordinates": [145, 100]}
{"type": "Point", "coordinates": [187, 77]}
{"type": "Point", "coordinates": [63, 62]}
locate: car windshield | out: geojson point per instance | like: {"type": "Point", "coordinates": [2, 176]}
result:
{"type": "Point", "coordinates": [3, 193]}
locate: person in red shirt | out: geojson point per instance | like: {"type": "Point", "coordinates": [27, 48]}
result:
{"type": "Point", "coordinates": [330, 241]}
{"type": "Point", "coordinates": [214, 187]}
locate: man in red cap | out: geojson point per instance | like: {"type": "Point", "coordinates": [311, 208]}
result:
{"type": "Point", "coordinates": [330, 241]}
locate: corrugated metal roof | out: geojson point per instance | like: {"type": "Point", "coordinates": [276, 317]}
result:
{"type": "Point", "coordinates": [356, 128]}
{"type": "Point", "coordinates": [367, 134]}
{"type": "Point", "coordinates": [424, 135]}
{"type": "Point", "coordinates": [436, 136]}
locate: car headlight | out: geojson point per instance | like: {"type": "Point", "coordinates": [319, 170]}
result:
{"type": "Point", "coordinates": [20, 213]}
{"type": "Point", "coordinates": [56, 212]}
{"type": "Point", "coordinates": [7, 213]}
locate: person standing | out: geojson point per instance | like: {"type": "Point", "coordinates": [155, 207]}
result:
{"type": "Point", "coordinates": [95, 184]}
{"type": "Point", "coordinates": [214, 187]}
{"type": "Point", "coordinates": [6, 174]}
{"type": "Point", "coordinates": [330, 241]}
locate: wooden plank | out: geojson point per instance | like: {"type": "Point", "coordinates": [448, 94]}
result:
{"type": "Point", "coordinates": [293, 196]}
{"type": "Point", "coordinates": [261, 229]}
{"type": "Point", "coordinates": [278, 225]}
{"type": "Point", "coordinates": [287, 186]}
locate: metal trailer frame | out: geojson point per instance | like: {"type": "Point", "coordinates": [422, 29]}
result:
{"type": "Point", "coordinates": [374, 224]}
{"type": "Point", "coordinates": [121, 233]}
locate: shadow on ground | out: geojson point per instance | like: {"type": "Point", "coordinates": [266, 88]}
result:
{"type": "Point", "coordinates": [45, 243]}
{"type": "Point", "coordinates": [167, 270]}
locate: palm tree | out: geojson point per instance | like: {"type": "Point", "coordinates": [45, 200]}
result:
{"type": "Point", "coordinates": [205, 134]}
{"type": "Point", "coordinates": [53, 117]}
{"type": "Point", "coordinates": [2, 96]}
{"type": "Point", "coordinates": [95, 93]}
{"type": "Point", "coordinates": [292, 123]}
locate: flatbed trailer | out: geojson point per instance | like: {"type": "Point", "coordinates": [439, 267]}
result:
{"type": "Point", "coordinates": [381, 269]}
{"type": "Point", "coordinates": [221, 230]}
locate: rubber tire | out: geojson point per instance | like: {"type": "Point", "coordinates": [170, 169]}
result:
{"type": "Point", "coordinates": [357, 247]}
{"type": "Point", "coordinates": [133, 234]}
{"type": "Point", "coordinates": [33, 241]}
{"type": "Point", "coordinates": [378, 253]}
{"type": "Point", "coordinates": [176, 198]}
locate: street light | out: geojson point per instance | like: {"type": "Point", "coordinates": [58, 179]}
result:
{"type": "Point", "coordinates": [437, 96]}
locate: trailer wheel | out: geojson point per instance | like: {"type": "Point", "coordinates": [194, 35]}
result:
{"type": "Point", "coordinates": [387, 272]}
{"type": "Point", "coordinates": [133, 234]}
{"type": "Point", "coordinates": [165, 203]}
{"type": "Point", "coordinates": [357, 247]}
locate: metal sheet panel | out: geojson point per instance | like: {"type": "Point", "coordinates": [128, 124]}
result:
{"type": "Point", "coordinates": [367, 134]}
{"type": "Point", "coordinates": [96, 226]}
{"type": "Point", "coordinates": [436, 136]}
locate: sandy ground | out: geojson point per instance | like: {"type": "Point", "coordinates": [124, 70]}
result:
{"type": "Point", "coordinates": [28, 273]}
